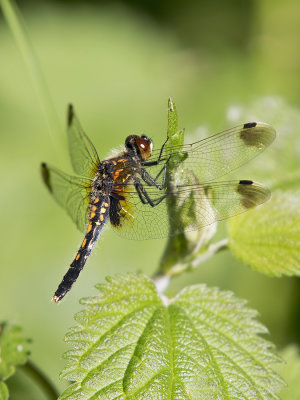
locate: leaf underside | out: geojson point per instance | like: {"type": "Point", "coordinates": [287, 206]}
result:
{"type": "Point", "coordinates": [268, 237]}
{"type": "Point", "coordinates": [203, 344]}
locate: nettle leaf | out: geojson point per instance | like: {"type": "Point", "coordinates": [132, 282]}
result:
{"type": "Point", "coordinates": [12, 353]}
{"type": "Point", "coordinates": [268, 237]}
{"type": "Point", "coordinates": [13, 350]}
{"type": "Point", "coordinates": [132, 344]}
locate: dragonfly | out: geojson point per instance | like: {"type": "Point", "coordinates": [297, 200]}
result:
{"type": "Point", "coordinates": [135, 188]}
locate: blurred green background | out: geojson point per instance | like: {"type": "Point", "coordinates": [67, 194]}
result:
{"type": "Point", "coordinates": [118, 62]}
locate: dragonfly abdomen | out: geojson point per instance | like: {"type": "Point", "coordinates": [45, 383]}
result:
{"type": "Point", "coordinates": [98, 216]}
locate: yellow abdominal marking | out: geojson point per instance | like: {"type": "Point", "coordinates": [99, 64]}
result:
{"type": "Point", "coordinates": [89, 228]}
{"type": "Point", "coordinates": [98, 223]}
{"type": "Point", "coordinates": [101, 217]}
{"type": "Point", "coordinates": [106, 204]}
{"type": "Point", "coordinates": [96, 200]}
{"type": "Point", "coordinates": [77, 257]}
{"type": "Point", "coordinates": [103, 210]}
{"type": "Point", "coordinates": [83, 243]}
{"type": "Point", "coordinates": [92, 214]}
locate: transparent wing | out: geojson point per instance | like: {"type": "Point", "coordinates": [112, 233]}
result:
{"type": "Point", "coordinates": [84, 157]}
{"type": "Point", "coordinates": [193, 207]}
{"type": "Point", "coordinates": [71, 192]}
{"type": "Point", "coordinates": [221, 153]}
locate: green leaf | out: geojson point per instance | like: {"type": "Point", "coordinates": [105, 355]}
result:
{"type": "Point", "coordinates": [12, 353]}
{"type": "Point", "coordinates": [3, 391]}
{"type": "Point", "coordinates": [268, 237]}
{"type": "Point", "coordinates": [172, 120]}
{"type": "Point", "coordinates": [175, 136]}
{"type": "Point", "coordinates": [12, 349]}
{"type": "Point", "coordinates": [203, 344]}
{"type": "Point", "coordinates": [290, 371]}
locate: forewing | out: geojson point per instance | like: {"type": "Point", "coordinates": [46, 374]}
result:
{"type": "Point", "coordinates": [71, 192]}
{"type": "Point", "coordinates": [84, 157]}
{"type": "Point", "coordinates": [193, 207]}
{"type": "Point", "coordinates": [221, 153]}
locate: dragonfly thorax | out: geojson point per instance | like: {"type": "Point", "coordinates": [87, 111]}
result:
{"type": "Point", "coordinates": [103, 180]}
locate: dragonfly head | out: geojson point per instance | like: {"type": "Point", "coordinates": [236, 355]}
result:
{"type": "Point", "coordinates": [139, 145]}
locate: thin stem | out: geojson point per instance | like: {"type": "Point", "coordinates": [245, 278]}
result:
{"type": "Point", "coordinates": [41, 380]}
{"type": "Point", "coordinates": [211, 251]}
{"type": "Point", "coordinates": [17, 26]}
{"type": "Point", "coordinates": [162, 281]}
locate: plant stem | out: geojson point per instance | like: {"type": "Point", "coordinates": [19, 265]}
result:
{"type": "Point", "coordinates": [17, 26]}
{"type": "Point", "coordinates": [212, 250]}
{"type": "Point", "coordinates": [162, 281]}
{"type": "Point", "coordinates": [41, 380]}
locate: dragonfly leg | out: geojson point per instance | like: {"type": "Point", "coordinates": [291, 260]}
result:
{"type": "Point", "coordinates": [164, 170]}
{"type": "Point", "coordinates": [153, 181]}
{"type": "Point", "coordinates": [144, 196]}
{"type": "Point", "coordinates": [151, 163]}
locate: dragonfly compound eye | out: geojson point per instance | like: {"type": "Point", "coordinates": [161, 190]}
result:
{"type": "Point", "coordinates": [145, 146]}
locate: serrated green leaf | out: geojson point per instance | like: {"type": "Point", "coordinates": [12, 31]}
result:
{"type": "Point", "coordinates": [131, 344]}
{"type": "Point", "coordinates": [268, 237]}
{"type": "Point", "coordinates": [12, 349]}
{"type": "Point", "coordinates": [290, 371]}
{"type": "Point", "coordinates": [3, 391]}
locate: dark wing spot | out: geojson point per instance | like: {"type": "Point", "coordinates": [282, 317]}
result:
{"type": "Point", "coordinates": [257, 134]}
{"type": "Point", "coordinates": [247, 194]}
{"type": "Point", "coordinates": [70, 114]}
{"type": "Point", "coordinates": [251, 135]}
{"type": "Point", "coordinates": [46, 176]}
{"type": "Point", "coordinates": [250, 125]}
{"type": "Point", "coordinates": [252, 194]}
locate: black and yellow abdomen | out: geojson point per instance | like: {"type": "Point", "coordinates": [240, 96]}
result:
{"type": "Point", "coordinates": [98, 216]}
